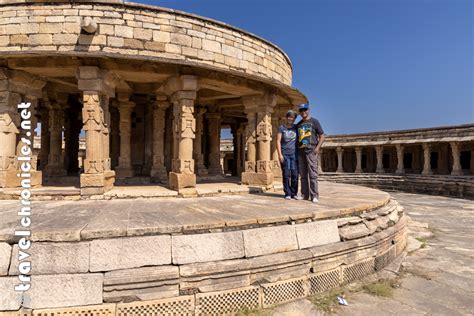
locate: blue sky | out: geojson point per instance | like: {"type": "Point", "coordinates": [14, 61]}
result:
{"type": "Point", "coordinates": [366, 65]}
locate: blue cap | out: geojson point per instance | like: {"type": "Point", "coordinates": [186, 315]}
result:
{"type": "Point", "coordinates": [304, 106]}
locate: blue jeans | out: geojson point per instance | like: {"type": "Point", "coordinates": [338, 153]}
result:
{"type": "Point", "coordinates": [290, 174]}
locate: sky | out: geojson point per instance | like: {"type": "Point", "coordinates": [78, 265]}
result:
{"type": "Point", "coordinates": [366, 65]}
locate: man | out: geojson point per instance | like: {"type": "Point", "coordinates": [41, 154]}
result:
{"type": "Point", "coordinates": [287, 152]}
{"type": "Point", "coordinates": [310, 139]}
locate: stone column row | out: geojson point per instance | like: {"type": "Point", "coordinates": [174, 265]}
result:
{"type": "Point", "coordinates": [455, 150]}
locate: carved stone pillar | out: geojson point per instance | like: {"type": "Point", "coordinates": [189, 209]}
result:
{"type": "Point", "coordinates": [456, 153]}
{"type": "Point", "coordinates": [17, 87]}
{"type": "Point", "coordinates": [379, 155]}
{"type": "Point", "coordinates": [276, 164]}
{"type": "Point", "coordinates": [45, 139]}
{"type": "Point", "coordinates": [199, 167]}
{"type": "Point", "coordinates": [358, 152]}
{"type": "Point", "coordinates": [125, 107]}
{"type": "Point", "coordinates": [340, 167]}
{"type": "Point", "coordinates": [55, 166]}
{"type": "Point", "coordinates": [9, 122]}
{"type": "Point", "coordinates": [96, 85]}
{"type": "Point", "coordinates": [158, 170]}
{"type": "Point", "coordinates": [214, 123]}
{"type": "Point", "coordinates": [183, 94]}
{"type": "Point", "coordinates": [426, 159]}
{"type": "Point", "coordinates": [259, 110]}
{"type": "Point", "coordinates": [400, 152]}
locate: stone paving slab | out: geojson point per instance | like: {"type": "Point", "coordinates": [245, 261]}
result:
{"type": "Point", "coordinates": [90, 219]}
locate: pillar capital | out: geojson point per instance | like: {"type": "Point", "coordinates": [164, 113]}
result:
{"type": "Point", "coordinates": [93, 79]}
{"type": "Point", "coordinates": [180, 83]}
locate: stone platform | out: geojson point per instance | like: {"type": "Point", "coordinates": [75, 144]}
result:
{"type": "Point", "coordinates": [197, 256]}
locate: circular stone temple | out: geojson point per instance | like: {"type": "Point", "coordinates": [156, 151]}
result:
{"type": "Point", "coordinates": [150, 87]}
{"type": "Point", "coordinates": [150, 90]}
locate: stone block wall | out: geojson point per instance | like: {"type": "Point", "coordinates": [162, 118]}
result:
{"type": "Point", "coordinates": [205, 273]}
{"type": "Point", "coordinates": [138, 31]}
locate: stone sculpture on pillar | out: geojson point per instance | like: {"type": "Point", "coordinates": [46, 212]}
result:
{"type": "Point", "coordinates": [16, 87]}
{"type": "Point", "coordinates": [182, 91]}
{"type": "Point", "coordinates": [97, 86]}
{"type": "Point", "coordinates": [258, 168]}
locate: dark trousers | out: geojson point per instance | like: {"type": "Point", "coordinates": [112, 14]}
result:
{"type": "Point", "coordinates": [308, 167]}
{"type": "Point", "coordinates": [290, 174]}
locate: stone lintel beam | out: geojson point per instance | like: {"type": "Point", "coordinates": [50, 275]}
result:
{"type": "Point", "coordinates": [21, 82]}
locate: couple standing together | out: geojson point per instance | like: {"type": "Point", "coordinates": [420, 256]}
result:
{"type": "Point", "coordinates": [298, 148]}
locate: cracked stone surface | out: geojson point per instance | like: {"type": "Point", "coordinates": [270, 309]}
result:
{"type": "Point", "coordinates": [437, 275]}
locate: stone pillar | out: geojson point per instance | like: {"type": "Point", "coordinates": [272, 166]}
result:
{"type": "Point", "coordinates": [9, 122]}
{"type": "Point", "coordinates": [250, 164]}
{"type": "Point", "coordinates": [426, 159]}
{"type": "Point", "coordinates": [45, 138]}
{"type": "Point", "coordinates": [55, 166]}
{"type": "Point", "coordinates": [320, 166]}
{"type": "Point", "coordinates": [455, 151]}
{"type": "Point", "coordinates": [358, 152]}
{"type": "Point", "coordinates": [114, 135]}
{"type": "Point", "coordinates": [340, 167]}
{"type": "Point", "coordinates": [400, 152]}
{"type": "Point", "coordinates": [96, 86]}
{"type": "Point", "coordinates": [158, 170]}
{"type": "Point", "coordinates": [182, 90]}
{"type": "Point", "coordinates": [199, 167]}
{"type": "Point", "coordinates": [276, 164]}
{"type": "Point", "coordinates": [214, 124]}
{"type": "Point", "coordinates": [379, 155]}
{"type": "Point", "coordinates": [259, 166]}
{"type": "Point", "coordinates": [240, 149]}
{"type": "Point", "coordinates": [16, 87]}
{"type": "Point", "coordinates": [125, 107]}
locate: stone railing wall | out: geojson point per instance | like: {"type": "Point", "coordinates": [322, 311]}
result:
{"type": "Point", "coordinates": [444, 185]}
{"type": "Point", "coordinates": [139, 31]}
{"type": "Point", "coordinates": [206, 273]}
